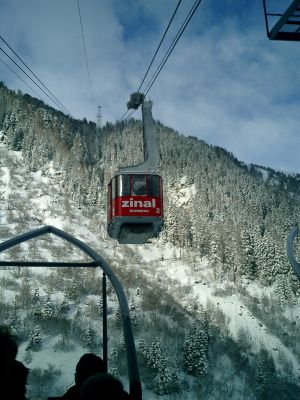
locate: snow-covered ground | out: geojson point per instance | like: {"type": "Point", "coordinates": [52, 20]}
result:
{"type": "Point", "coordinates": [31, 200]}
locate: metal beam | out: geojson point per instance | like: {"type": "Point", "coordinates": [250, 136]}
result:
{"type": "Point", "coordinates": [151, 145]}
{"type": "Point", "coordinates": [266, 17]}
{"type": "Point", "coordinates": [48, 264]}
{"type": "Point", "coordinates": [275, 31]}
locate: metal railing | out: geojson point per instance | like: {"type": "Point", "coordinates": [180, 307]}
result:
{"type": "Point", "coordinates": [132, 364]}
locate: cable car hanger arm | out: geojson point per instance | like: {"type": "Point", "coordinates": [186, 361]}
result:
{"type": "Point", "coordinates": [151, 146]}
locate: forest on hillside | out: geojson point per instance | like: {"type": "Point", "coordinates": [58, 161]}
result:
{"type": "Point", "coordinates": [238, 218]}
{"type": "Point", "coordinates": [216, 207]}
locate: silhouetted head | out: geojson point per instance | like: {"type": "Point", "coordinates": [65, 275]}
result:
{"type": "Point", "coordinates": [8, 346]}
{"type": "Point", "coordinates": [103, 386]}
{"type": "Point", "coordinates": [88, 365]}
{"type": "Point", "coordinates": [16, 380]}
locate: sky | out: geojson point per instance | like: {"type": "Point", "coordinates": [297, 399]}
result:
{"type": "Point", "coordinates": [224, 83]}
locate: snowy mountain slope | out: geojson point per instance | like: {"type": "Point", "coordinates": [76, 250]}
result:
{"type": "Point", "coordinates": [32, 199]}
{"type": "Point", "coordinates": [200, 286]}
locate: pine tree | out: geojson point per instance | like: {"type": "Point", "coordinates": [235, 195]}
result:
{"type": "Point", "coordinates": [24, 297]}
{"type": "Point", "coordinates": [13, 322]}
{"type": "Point", "coordinates": [215, 257]}
{"type": "Point", "coordinates": [64, 308]}
{"type": "Point", "coordinates": [249, 267]}
{"type": "Point", "coordinates": [34, 340]}
{"type": "Point", "coordinates": [90, 337]}
{"type": "Point", "coordinates": [155, 356]}
{"type": "Point", "coordinates": [133, 315]}
{"type": "Point", "coordinates": [36, 295]}
{"type": "Point", "coordinates": [79, 315]}
{"type": "Point", "coordinates": [73, 292]}
{"type": "Point", "coordinates": [28, 355]}
{"type": "Point", "coordinates": [48, 309]}
{"type": "Point", "coordinates": [166, 382]}
{"type": "Point", "coordinates": [266, 373]}
{"type": "Point", "coordinates": [37, 310]}
{"type": "Point", "coordinates": [118, 317]}
{"type": "Point", "coordinates": [113, 364]}
{"type": "Point", "coordinates": [195, 352]}
{"type": "Point", "coordinates": [100, 304]}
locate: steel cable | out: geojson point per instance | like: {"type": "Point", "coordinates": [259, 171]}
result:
{"type": "Point", "coordinates": [85, 54]}
{"type": "Point", "coordinates": [160, 43]}
{"type": "Point", "coordinates": [18, 76]}
{"type": "Point", "coordinates": [36, 77]}
{"type": "Point", "coordinates": [169, 51]}
{"type": "Point", "coordinates": [54, 101]}
{"type": "Point", "coordinates": [172, 46]}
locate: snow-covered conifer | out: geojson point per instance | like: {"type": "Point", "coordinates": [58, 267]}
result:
{"type": "Point", "coordinates": [195, 353]}
{"type": "Point", "coordinates": [64, 307]}
{"type": "Point", "coordinates": [166, 382]}
{"type": "Point", "coordinates": [37, 309]}
{"type": "Point", "coordinates": [90, 337]}
{"type": "Point", "coordinates": [48, 309]}
{"type": "Point", "coordinates": [35, 339]}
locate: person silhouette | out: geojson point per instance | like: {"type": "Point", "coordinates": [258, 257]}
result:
{"type": "Point", "coordinates": [89, 364]}
{"type": "Point", "coordinates": [13, 374]}
{"type": "Point", "coordinates": [103, 386]}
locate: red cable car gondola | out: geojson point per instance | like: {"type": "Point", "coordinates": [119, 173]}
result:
{"type": "Point", "coordinates": [135, 213]}
{"type": "Point", "coordinates": [135, 194]}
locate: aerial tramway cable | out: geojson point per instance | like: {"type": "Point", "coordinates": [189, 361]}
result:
{"type": "Point", "coordinates": [18, 76]}
{"type": "Point", "coordinates": [168, 53]}
{"type": "Point", "coordinates": [160, 43]}
{"type": "Point", "coordinates": [54, 101]}
{"type": "Point", "coordinates": [85, 54]}
{"type": "Point", "coordinates": [36, 77]}
{"type": "Point", "coordinates": [172, 46]}
{"type": "Point", "coordinates": [153, 58]}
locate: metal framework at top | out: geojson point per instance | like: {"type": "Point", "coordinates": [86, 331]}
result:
{"type": "Point", "coordinates": [287, 26]}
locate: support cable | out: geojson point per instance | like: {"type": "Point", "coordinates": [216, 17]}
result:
{"type": "Point", "coordinates": [172, 46]}
{"type": "Point", "coordinates": [169, 51]}
{"type": "Point", "coordinates": [18, 76]}
{"type": "Point", "coordinates": [85, 54]}
{"type": "Point", "coordinates": [29, 69]}
{"type": "Point", "coordinates": [124, 115]}
{"type": "Point", "coordinates": [54, 101]}
{"type": "Point", "coordinates": [153, 58]}
{"type": "Point", "coordinates": [160, 43]}
{"type": "Point", "coordinates": [132, 112]}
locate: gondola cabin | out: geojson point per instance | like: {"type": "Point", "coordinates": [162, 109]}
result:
{"type": "Point", "coordinates": [135, 207]}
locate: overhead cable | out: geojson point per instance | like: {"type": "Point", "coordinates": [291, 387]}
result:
{"type": "Point", "coordinates": [85, 54]}
{"type": "Point", "coordinates": [169, 51]}
{"type": "Point", "coordinates": [153, 58]}
{"type": "Point", "coordinates": [18, 76]}
{"type": "Point", "coordinates": [36, 77]}
{"type": "Point", "coordinates": [160, 43]}
{"type": "Point", "coordinates": [172, 46]}
{"type": "Point", "coordinates": [124, 115]}
{"type": "Point", "coordinates": [130, 114]}
{"type": "Point", "coordinates": [54, 101]}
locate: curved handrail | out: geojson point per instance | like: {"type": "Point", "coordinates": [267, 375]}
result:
{"type": "Point", "coordinates": [290, 250]}
{"type": "Point", "coordinates": [133, 370]}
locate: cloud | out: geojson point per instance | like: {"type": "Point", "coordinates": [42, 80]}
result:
{"type": "Point", "coordinates": [225, 82]}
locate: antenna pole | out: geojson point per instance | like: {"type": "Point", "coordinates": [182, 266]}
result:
{"type": "Point", "coordinates": [99, 118]}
